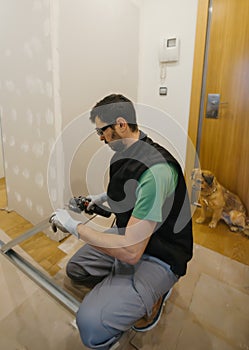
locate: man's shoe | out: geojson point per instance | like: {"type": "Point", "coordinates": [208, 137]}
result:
{"type": "Point", "coordinates": [147, 323]}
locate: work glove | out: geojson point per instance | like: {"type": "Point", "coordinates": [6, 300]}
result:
{"type": "Point", "coordinates": [61, 220]}
{"type": "Point", "coordinates": [96, 199]}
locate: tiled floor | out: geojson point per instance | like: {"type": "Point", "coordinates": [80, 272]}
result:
{"type": "Point", "coordinates": [30, 319]}
{"type": "Point", "coordinates": [208, 309]}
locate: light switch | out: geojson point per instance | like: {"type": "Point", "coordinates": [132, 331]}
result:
{"type": "Point", "coordinates": [163, 91]}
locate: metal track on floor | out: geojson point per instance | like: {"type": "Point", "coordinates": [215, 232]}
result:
{"type": "Point", "coordinates": [41, 279]}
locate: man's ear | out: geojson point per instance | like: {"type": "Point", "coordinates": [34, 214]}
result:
{"type": "Point", "coordinates": [122, 123]}
{"type": "Point", "coordinates": [208, 178]}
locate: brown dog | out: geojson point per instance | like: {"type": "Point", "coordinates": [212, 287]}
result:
{"type": "Point", "coordinates": [223, 204]}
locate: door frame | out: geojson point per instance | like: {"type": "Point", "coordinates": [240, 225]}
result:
{"type": "Point", "coordinates": [194, 126]}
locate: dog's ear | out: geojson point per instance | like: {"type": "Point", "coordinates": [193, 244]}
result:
{"type": "Point", "coordinates": [208, 178]}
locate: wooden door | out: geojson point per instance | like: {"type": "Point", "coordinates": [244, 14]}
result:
{"type": "Point", "coordinates": [224, 142]}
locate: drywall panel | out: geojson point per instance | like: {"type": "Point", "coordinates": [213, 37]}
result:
{"type": "Point", "coordinates": [27, 103]}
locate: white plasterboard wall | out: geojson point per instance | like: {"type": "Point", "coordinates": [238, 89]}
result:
{"type": "Point", "coordinates": [26, 103]}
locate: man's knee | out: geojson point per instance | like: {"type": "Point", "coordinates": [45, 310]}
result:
{"type": "Point", "coordinates": [88, 325]}
{"type": "Point", "coordinates": [73, 271]}
{"type": "Point", "coordinates": [79, 276]}
{"type": "Point", "coordinates": [91, 327]}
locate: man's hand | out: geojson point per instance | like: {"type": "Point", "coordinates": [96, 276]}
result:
{"type": "Point", "coordinates": [96, 199]}
{"type": "Point", "coordinates": [61, 220]}
{"type": "Point", "coordinates": [55, 224]}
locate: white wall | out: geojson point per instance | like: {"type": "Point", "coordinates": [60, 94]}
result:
{"type": "Point", "coordinates": [160, 18]}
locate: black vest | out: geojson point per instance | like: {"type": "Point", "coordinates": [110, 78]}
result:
{"type": "Point", "coordinates": [172, 240]}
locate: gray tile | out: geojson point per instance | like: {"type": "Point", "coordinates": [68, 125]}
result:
{"type": "Point", "coordinates": [200, 263]}
{"type": "Point", "coordinates": [15, 287]}
{"type": "Point", "coordinates": [195, 336]}
{"type": "Point", "coordinates": [165, 335]}
{"type": "Point", "coordinates": [207, 261]}
{"type": "Point", "coordinates": [39, 323]}
{"type": "Point", "coordinates": [183, 290]}
{"type": "Point", "coordinates": [223, 309]}
{"type": "Point", "coordinates": [235, 274]}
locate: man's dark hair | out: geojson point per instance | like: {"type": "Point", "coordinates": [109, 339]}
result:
{"type": "Point", "coordinates": [113, 106]}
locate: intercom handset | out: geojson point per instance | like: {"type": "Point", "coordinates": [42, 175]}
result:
{"type": "Point", "coordinates": [169, 49]}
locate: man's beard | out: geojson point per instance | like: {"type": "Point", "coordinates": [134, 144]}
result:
{"type": "Point", "coordinates": [116, 145]}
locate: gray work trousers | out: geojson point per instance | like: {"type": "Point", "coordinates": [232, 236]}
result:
{"type": "Point", "coordinates": [122, 293]}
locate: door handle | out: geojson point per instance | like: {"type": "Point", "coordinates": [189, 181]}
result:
{"type": "Point", "coordinates": [213, 103]}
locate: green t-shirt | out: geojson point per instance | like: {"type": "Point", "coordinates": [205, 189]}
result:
{"type": "Point", "coordinates": [155, 185]}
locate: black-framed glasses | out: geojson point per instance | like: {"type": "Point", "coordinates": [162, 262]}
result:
{"type": "Point", "coordinates": [100, 131]}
